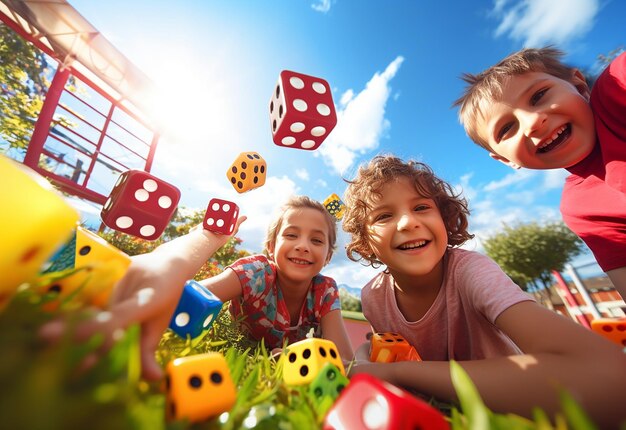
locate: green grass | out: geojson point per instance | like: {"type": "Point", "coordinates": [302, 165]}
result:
{"type": "Point", "coordinates": [41, 388]}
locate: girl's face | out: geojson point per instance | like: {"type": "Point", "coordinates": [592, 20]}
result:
{"type": "Point", "coordinates": [301, 248]}
{"type": "Point", "coordinates": [406, 231]}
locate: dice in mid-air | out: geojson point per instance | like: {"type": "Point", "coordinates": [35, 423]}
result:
{"type": "Point", "coordinates": [302, 112]}
{"type": "Point", "coordinates": [369, 403]}
{"type": "Point", "coordinates": [334, 206]}
{"type": "Point", "coordinates": [305, 359]}
{"type": "Point", "coordinates": [84, 271]}
{"type": "Point", "coordinates": [140, 204]}
{"type": "Point", "coordinates": [221, 216]}
{"type": "Point", "coordinates": [197, 309]}
{"type": "Point", "coordinates": [247, 172]}
{"type": "Point", "coordinates": [34, 222]}
{"type": "Point", "coordinates": [614, 329]}
{"type": "Point", "coordinates": [389, 347]}
{"type": "Point", "coordinates": [198, 387]}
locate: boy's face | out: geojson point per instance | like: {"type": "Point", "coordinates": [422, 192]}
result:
{"type": "Point", "coordinates": [540, 122]}
{"type": "Point", "coordinates": [302, 247]}
{"type": "Point", "coordinates": [406, 231]}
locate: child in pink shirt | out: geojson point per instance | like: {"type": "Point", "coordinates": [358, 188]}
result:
{"type": "Point", "coordinates": [456, 304]}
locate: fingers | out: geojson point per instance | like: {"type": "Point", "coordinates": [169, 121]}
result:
{"type": "Point", "coordinates": [240, 221]}
{"type": "Point", "coordinates": [150, 338]}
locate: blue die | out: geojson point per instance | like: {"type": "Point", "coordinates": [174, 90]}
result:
{"type": "Point", "coordinates": [196, 310]}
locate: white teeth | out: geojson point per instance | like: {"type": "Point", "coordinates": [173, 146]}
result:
{"type": "Point", "coordinates": [295, 260]}
{"type": "Point", "coordinates": [413, 245]}
{"type": "Point", "coordinates": [553, 137]}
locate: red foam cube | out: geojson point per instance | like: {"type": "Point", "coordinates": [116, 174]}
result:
{"type": "Point", "coordinates": [221, 216]}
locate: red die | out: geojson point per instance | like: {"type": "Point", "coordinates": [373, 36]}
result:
{"type": "Point", "coordinates": [140, 204]}
{"type": "Point", "coordinates": [369, 403]}
{"type": "Point", "coordinates": [302, 113]}
{"type": "Point", "coordinates": [221, 216]}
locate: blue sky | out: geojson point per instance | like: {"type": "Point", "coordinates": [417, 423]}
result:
{"type": "Point", "coordinates": [394, 68]}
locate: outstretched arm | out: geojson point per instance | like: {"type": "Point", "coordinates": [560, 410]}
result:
{"type": "Point", "coordinates": [148, 294]}
{"type": "Point", "coordinates": [557, 354]}
{"type": "Point", "coordinates": [334, 329]}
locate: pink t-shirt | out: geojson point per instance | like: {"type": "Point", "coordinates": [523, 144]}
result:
{"type": "Point", "coordinates": [460, 323]}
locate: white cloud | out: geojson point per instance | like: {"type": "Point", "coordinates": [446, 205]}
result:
{"type": "Point", "coordinates": [322, 183]}
{"type": "Point", "coordinates": [518, 176]}
{"type": "Point", "coordinates": [302, 174]}
{"type": "Point", "coordinates": [322, 6]}
{"type": "Point", "coordinates": [361, 121]}
{"type": "Point", "coordinates": [539, 22]}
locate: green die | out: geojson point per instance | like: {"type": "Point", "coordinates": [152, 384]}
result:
{"type": "Point", "coordinates": [327, 384]}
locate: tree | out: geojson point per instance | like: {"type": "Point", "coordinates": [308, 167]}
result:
{"type": "Point", "coordinates": [529, 252]}
{"type": "Point", "coordinates": [349, 302]}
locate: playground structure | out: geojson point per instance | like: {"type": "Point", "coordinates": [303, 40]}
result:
{"type": "Point", "coordinates": [88, 136]}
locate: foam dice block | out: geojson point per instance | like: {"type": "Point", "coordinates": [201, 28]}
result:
{"type": "Point", "coordinates": [84, 271]}
{"type": "Point", "coordinates": [334, 206]}
{"type": "Point", "coordinates": [140, 204]}
{"type": "Point", "coordinates": [305, 359]}
{"type": "Point", "coordinates": [390, 347]}
{"type": "Point", "coordinates": [302, 112]}
{"type": "Point", "coordinates": [247, 172]}
{"type": "Point", "coordinates": [34, 222]}
{"type": "Point", "coordinates": [328, 384]}
{"type": "Point", "coordinates": [614, 329]}
{"type": "Point", "coordinates": [369, 403]}
{"type": "Point", "coordinates": [197, 309]}
{"type": "Point", "coordinates": [198, 387]}
{"type": "Point", "coordinates": [221, 216]}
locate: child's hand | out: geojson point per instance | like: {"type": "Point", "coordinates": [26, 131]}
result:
{"type": "Point", "coordinates": [383, 371]}
{"type": "Point", "coordinates": [147, 295]}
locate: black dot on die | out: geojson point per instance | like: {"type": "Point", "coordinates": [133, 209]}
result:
{"type": "Point", "coordinates": [271, 106]}
{"type": "Point", "coordinates": [277, 91]}
{"type": "Point", "coordinates": [244, 165]}
{"type": "Point", "coordinates": [292, 357]}
{"type": "Point", "coordinates": [274, 125]}
{"type": "Point", "coordinates": [216, 377]}
{"type": "Point", "coordinates": [318, 392]}
{"type": "Point", "coordinates": [242, 175]}
{"type": "Point", "coordinates": [256, 169]}
{"type": "Point", "coordinates": [340, 388]}
{"type": "Point", "coordinates": [256, 179]}
{"type": "Point", "coordinates": [331, 374]}
{"type": "Point", "coordinates": [30, 254]}
{"type": "Point", "coordinates": [250, 156]}
{"type": "Point", "coordinates": [233, 180]}
{"type": "Point", "coordinates": [240, 185]}
{"type": "Point", "coordinates": [304, 370]}
{"type": "Point", "coordinates": [322, 351]}
{"type": "Point", "coordinates": [195, 381]}
{"type": "Point", "coordinates": [85, 250]}
{"type": "Point", "coordinates": [257, 156]}
{"type": "Point", "coordinates": [168, 382]}
{"type": "Point", "coordinates": [56, 288]}
{"type": "Point", "coordinates": [262, 169]}
{"type": "Point", "coordinates": [280, 111]}
{"type": "Point", "coordinates": [333, 353]}
{"type": "Point", "coordinates": [400, 339]}
{"type": "Point", "coordinates": [306, 353]}
{"type": "Point", "coordinates": [389, 340]}
{"type": "Point", "coordinates": [234, 169]}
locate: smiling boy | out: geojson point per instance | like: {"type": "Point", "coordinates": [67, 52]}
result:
{"type": "Point", "coordinates": [531, 110]}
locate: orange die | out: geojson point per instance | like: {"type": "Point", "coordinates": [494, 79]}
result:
{"type": "Point", "coordinates": [614, 329]}
{"type": "Point", "coordinates": [390, 347]}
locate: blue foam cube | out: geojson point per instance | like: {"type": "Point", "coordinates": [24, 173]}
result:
{"type": "Point", "coordinates": [197, 309]}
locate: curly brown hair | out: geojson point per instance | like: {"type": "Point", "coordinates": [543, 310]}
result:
{"type": "Point", "coordinates": [367, 185]}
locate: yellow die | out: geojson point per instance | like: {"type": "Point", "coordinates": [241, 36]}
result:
{"type": "Point", "coordinates": [303, 360]}
{"type": "Point", "coordinates": [34, 222]}
{"type": "Point", "coordinates": [335, 206]}
{"type": "Point", "coordinates": [198, 387]}
{"type": "Point", "coordinates": [247, 172]}
{"type": "Point", "coordinates": [87, 267]}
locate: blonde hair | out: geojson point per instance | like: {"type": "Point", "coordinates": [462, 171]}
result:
{"type": "Point", "coordinates": [301, 202]}
{"type": "Point", "coordinates": [486, 87]}
{"type": "Point", "coordinates": [370, 180]}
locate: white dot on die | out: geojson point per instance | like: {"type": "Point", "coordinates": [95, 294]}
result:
{"type": "Point", "coordinates": [207, 321]}
{"type": "Point", "coordinates": [296, 82]}
{"type": "Point", "coordinates": [165, 202]}
{"type": "Point", "coordinates": [150, 185]}
{"type": "Point", "coordinates": [288, 141]}
{"type": "Point", "coordinates": [318, 131]}
{"type": "Point", "coordinates": [300, 105]}
{"type": "Point", "coordinates": [308, 144]}
{"type": "Point", "coordinates": [182, 319]}
{"type": "Point", "coordinates": [226, 207]}
{"type": "Point", "coordinates": [296, 127]}
{"type": "Point", "coordinates": [124, 222]}
{"type": "Point", "coordinates": [215, 206]}
{"type": "Point", "coordinates": [210, 221]}
{"type": "Point", "coordinates": [323, 109]}
{"type": "Point", "coordinates": [142, 195]}
{"type": "Point", "coordinates": [375, 412]}
{"type": "Point", "coordinates": [147, 230]}
{"type": "Point", "coordinates": [319, 88]}
{"type": "Point", "coordinates": [220, 222]}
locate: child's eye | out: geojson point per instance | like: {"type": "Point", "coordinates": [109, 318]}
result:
{"type": "Point", "coordinates": [537, 96]}
{"type": "Point", "coordinates": [504, 130]}
{"type": "Point", "coordinates": [317, 241]}
{"type": "Point", "coordinates": [419, 208]}
{"type": "Point", "coordinates": [289, 235]}
{"type": "Point", "coordinates": [381, 217]}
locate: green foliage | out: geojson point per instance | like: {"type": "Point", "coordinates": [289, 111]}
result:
{"type": "Point", "coordinates": [529, 252]}
{"type": "Point", "coordinates": [349, 302]}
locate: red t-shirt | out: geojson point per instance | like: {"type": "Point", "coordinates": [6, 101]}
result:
{"type": "Point", "coordinates": [594, 197]}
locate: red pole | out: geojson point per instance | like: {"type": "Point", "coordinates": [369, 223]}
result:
{"type": "Point", "coordinates": [571, 300]}
{"type": "Point", "coordinates": [42, 125]}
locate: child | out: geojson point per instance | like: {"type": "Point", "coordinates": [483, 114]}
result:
{"type": "Point", "coordinates": [281, 295]}
{"type": "Point", "coordinates": [452, 304]}
{"type": "Point", "coordinates": [530, 110]}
